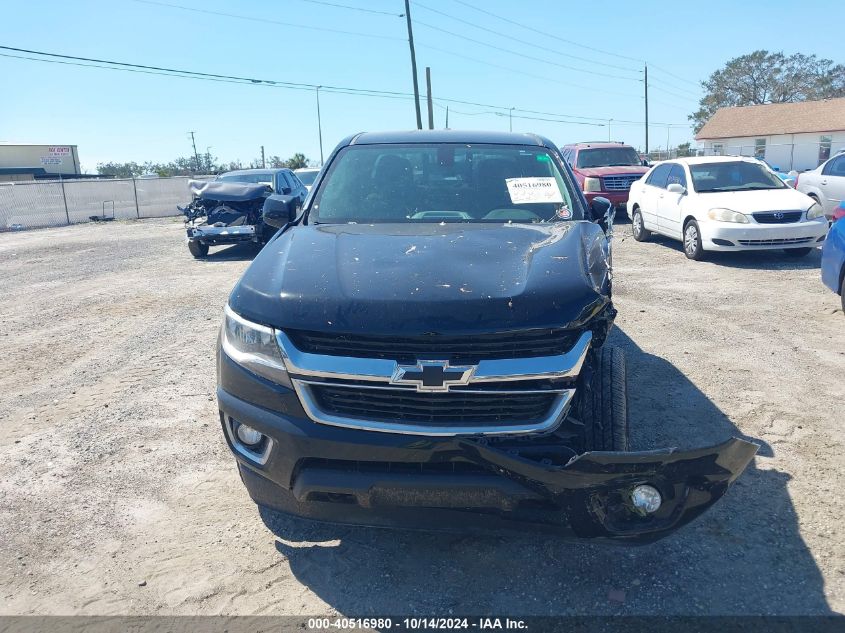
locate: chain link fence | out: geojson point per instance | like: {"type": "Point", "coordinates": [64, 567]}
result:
{"type": "Point", "coordinates": [27, 205]}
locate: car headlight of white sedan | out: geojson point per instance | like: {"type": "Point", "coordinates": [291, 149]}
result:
{"type": "Point", "coordinates": [727, 215]}
{"type": "Point", "coordinates": [815, 211]}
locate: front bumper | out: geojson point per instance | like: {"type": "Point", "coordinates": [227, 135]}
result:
{"type": "Point", "coordinates": [353, 476]}
{"type": "Point", "coordinates": [729, 236]}
{"type": "Point", "coordinates": [618, 199]}
{"type": "Point", "coordinates": [221, 234]}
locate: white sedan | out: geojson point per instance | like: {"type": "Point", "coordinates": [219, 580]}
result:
{"type": "Point", "coordinates": [724, 203]}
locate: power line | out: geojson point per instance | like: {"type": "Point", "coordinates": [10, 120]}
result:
{"type": "Point", "coordinates": [510, 37]}
{"type": "Point", "coordinates": [689, 81]}
{"type": "Point", "coordinates": [669, 92]}
{"type": "Point", "coordinates": [209, 77]}
{"type": "Point", "coordinates": [522, 72]}
{"type": "Point", "coordinates": [351, 8]}
{"type": "Point", "coordinates": [554, 36]}
{"type": "Point", "coordinates": [90, 62]}
{"type": "Point", "coordinates": [262, 20]}
{"type": "Point", "coordinates": [531, 57]}
{"type": "Point", "coordinates": [518, 116]}
{"type": "Point", "coordinates": [557, 38]}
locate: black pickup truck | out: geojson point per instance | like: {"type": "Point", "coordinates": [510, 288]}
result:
{"type": "Point", "coordinates": [422, 344]}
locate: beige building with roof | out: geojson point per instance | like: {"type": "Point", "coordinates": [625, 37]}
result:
{"type": "Point", "coordinates": [788, 136]}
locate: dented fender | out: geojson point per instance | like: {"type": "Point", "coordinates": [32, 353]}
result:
{"type": "Point", "coordinates": [593, 489]}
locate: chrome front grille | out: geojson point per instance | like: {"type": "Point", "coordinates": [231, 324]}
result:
{"type": "Point", "coordinates": [500, 396]}
{"type": "Point", "coordinates": [619, 183]}
{"type": "Point", "coordinates": [777, 217]}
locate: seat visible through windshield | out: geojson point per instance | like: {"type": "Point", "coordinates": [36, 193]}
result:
{"type": "Point", "coordinates": [408, 183]}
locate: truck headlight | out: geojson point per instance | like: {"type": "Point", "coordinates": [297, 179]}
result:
{"type": "Point", "coordinates": [815, 211]}
{"type": "Point", "coordinates": [254, 347]}
{"type": "Point", "coordinates": [727, 215]}
{"type": "Point", "coordinates": [592, 184]}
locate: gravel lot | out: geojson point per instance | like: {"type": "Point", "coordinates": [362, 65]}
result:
{"type": "Point", "coordinates": [118, 494]}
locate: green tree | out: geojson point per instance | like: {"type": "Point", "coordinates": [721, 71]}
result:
{"type": "Point", "coordinates": [684, 149]}
{"type": "Point", "coordinates": [120, 170]}
{"type": "Point", "coordinates": [297, 161]}
{"type": "Point", "coordinates": [763, 77]}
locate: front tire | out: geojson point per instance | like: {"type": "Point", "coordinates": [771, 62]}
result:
{"type": "Point", "coordinates": [798, 252]}
{"type": "Point", "coordinates": [198, 249]}
{"type": "Point", "coordinates": [692, 241]}
{"type": "Point", "coordinates": [641, 234]}
{"type": "Point", "coordinates": [604, 401]}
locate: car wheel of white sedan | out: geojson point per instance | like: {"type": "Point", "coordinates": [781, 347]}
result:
{"type": "Point", "coordinates": [692, 241]}
{"type": "Point", "coordinates": [641, 234]}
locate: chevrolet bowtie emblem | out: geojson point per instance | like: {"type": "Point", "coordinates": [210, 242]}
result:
{"type": "Point", "coordinates": [432, 375]}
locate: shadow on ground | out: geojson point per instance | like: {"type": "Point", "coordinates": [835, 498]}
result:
{"type": "Point", "coordinates": [745, 555]}
{"type": "Point", "coordinates": [767, 260]}
{"type": "Point", "coordinates": [236, 252]}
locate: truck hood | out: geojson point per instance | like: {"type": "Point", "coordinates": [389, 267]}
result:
{"type": "Point", "coordinates": [787, 199]}
{"type": "Point", "coordinates": [597, 172]}
{"type": "Point", "coordinates": [427, 278]}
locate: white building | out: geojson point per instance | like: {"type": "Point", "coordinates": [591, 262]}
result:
{"type": "Point", "coordinates": [23, 162]}
{"type": "Point", "coordinates": [788, 136]}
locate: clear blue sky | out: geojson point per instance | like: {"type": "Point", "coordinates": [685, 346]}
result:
{"type": "Point", "coordinates": [125, 116]}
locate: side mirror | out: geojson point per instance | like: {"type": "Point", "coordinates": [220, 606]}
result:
{"type": "Point", "coordinates": [278, 211]}
{"type": "Point", "coordinates": [599, 208]}
{"type": "Point", "coordinates": [645, 162]}
{"type": "Point", "coordinates": [285, 191]}
{"type": "Point", "coordinates": [676, 188]}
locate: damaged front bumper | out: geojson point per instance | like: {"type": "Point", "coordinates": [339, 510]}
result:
{"type": "Point", "coordinates": [210, 234]}
{"type": "Point", "coordinates": [351, 476]}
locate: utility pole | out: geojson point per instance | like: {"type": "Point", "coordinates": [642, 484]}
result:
{"type": "Point", "coordinates": [208, 157]}
{"type": "Point", "coordinates": [196, 155]}
{"type": "Point", "coordinates": [263, 164]}
{"type": "Point", "coordinates": [609, 133]}
{"type": "Point", "coordinates": [645, 83]}
{"type": "Point", "coordinates": [668, 155]}
{"type": "Point", "coordinates": [428, 93]}
{"type": "Point", "coordinates": [510, 120]}
{"type": "Point", "coordinates": [319, 126]}
{"type": "Point", "coordinates": [413, 64]}
{"type": "Point", "coordinates": [447, 117]}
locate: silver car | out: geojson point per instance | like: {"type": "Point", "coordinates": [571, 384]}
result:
{"type": "Point", "coordinates": [825, 184]}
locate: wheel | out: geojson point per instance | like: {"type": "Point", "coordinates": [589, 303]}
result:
{"type": "Point", "coordinates": [692, 241]}
{"type": "Point", "coordinates": [198, 249]}
{"type": "Point", "coordinates": [641, 234]}
{"type": "Point", "coordinates": [798, 252]}
{"type": "Point", "coordinates": [604, 401]}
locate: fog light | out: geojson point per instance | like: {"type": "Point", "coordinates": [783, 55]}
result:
{"type": "Point", "coordinates": [251, 437]}
{"type": "Point", "coordinates": [646, 499]}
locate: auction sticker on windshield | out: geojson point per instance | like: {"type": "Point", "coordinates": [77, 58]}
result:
{"type": "Point", "coordinates": [536, 189]}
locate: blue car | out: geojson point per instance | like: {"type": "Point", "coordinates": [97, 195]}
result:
{"type": "Point", "coordinates": [833, 259]}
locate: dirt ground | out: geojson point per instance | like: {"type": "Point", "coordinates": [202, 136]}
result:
{"type": "Point", "coordinates": [118, 494]}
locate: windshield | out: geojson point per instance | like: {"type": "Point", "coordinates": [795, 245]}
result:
{"type": "Point", "coordinates": [307, 176]}
{"type": "Point", "coordinates": [444, 183]}
{"type": "Point", "coordinates": [733, 176]}
{"type": "Point", "coordinates": [260, 177]}
{"type": "Point", "coordinates": [608, 157]}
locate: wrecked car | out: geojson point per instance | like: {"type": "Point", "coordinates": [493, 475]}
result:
{"type": "Point", "coordinates": [228, 210]}
{"type": "Point", "coordinates": [424, 345]}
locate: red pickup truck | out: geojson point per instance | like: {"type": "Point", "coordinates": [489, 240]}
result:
{"type": "Point", "coordinates": [605, 169]}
